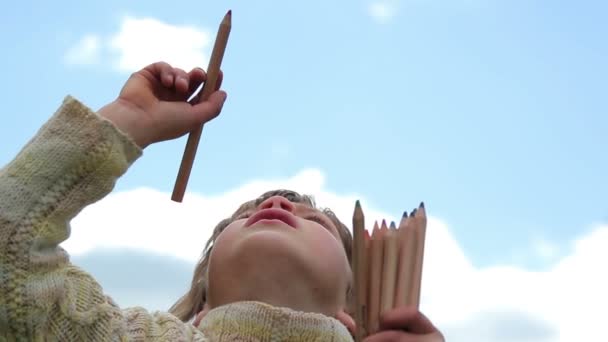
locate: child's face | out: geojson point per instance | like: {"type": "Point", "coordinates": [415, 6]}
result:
{"type": "Point", "coordinates": [280, 244]}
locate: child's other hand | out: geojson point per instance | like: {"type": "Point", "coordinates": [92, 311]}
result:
{"type": "Point", "coordinates": [406, 325]}
{"type": "Point", "coordinates": [152, 104]}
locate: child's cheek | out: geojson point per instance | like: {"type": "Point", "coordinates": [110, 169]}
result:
{"type": "Point", "coordinates": [224, 241]}
{"type": "Point", "coordinates": [328, 250]}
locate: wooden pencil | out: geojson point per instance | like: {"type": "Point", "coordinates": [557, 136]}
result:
{"type": "Point", "coordinates": [421, 220]}
{"type": "Point", "coordinates": [359, 272]}
{"type": "Point", "coordinates": [375, 275]}
{"type": "Point", "coordinates": [389, 268]}
{"type": "Point", "coordinates": [366, 282]}
{"type": "Point", "coordinates": [213, 72]}
{"type": "Point", "coordinates": [410, 247]}
{"type": "Point", "coordinates": [406, 262]}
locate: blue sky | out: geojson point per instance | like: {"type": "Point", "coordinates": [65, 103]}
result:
{"type": "Point", "coordinates": [492, 112]}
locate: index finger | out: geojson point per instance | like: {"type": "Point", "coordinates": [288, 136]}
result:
{"type": "Point", "coordinates": [162, 70]}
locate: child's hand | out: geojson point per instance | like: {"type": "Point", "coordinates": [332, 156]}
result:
{"type": "Point", "coordinates": [406, 325]}
{"type": "Point", "coordinates": [152, 104]}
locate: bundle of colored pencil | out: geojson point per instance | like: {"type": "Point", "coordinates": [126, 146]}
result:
{"type": "Point", "coordinates": [387, 267]}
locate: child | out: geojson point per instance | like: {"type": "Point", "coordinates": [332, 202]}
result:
{"type": "Point", "coordinates": [277, 270]}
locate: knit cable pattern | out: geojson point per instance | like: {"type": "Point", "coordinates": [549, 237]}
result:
{"type": "Point", "coordinates": [74, 160]}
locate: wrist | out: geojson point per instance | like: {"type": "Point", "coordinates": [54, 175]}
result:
{"type": "Point", "coordinates": [125, 118]}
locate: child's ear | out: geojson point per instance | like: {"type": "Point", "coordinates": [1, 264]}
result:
{"type": "Point", "coordinates": [347, 320]}
{"type": "Point", "coordinates": [200, 315]}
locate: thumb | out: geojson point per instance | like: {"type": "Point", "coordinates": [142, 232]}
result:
{"type": "Point", "coordinates": [347, 320]}
{"type": "Point", "coordinates": [408, 319]}
{"type": "Point", "coordinates": [206, 111]}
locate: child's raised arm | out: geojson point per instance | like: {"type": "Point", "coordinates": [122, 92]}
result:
{"type": "Point", "coordinates": [74, 160]}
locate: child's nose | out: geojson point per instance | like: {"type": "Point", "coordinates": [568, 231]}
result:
{"type": "Point", "coordinates": [278, 202]}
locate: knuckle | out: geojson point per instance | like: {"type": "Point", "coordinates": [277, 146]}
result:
{"type": "Point", "coordinates": [135, 75]}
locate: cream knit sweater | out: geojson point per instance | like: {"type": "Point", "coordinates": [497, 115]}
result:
{"type": "Point", "coordinates": [73, 161]}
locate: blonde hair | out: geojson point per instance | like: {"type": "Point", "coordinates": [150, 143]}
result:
{"type": "Point", "coordinates": [194, 300]}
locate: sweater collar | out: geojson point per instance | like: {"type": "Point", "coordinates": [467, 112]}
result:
{"type": "Point", "coordinates": [255, 321]}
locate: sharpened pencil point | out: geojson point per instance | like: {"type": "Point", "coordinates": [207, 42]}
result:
{"type": "Point", "coordinates": [229, 13]}
{"type": "Point", "coordinates": [421, 204]}
{"type": "Point", "coordinates": [358, 214]}
{"type": "Point", "coordinates": [403, 220]}
{"type": "Point", "coordinates": [383, 227]}
{"type": "Point", "coordinates": [376, 231]}
{"type": "Point", "coordinates": [358, 210]}
{"type": "Point", "coordinates": [414, 212]}
{"type": "Point", "coordinates": [393, 226]}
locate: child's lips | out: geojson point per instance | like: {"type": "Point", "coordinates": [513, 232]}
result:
{"type": "Point", "coordinates": [273, 214]}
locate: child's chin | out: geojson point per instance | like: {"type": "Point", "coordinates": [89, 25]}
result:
{"type": "Point", "coordinates": [270, 241]}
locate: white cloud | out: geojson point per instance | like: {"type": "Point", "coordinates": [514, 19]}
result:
{"type": "Point", "coordinates": [503, 303]}
{"type": "Point", "coordinates": [160, 225]}
{"type": "Point", "coordinates": [382, 11]}
{"type": "Point", "coordinates": [568, 298]}
{"type": "Point", "coordinates": [142, 41]}
{"type": "Point", "coordinates": [545, 249]}
{"type": "Point", "coordinates": [85, 52]}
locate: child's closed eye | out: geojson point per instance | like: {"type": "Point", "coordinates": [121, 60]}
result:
{"type": "Point", "coordinates": [243, 216]}
{"type": "Point", "coordinates": [319, 220]}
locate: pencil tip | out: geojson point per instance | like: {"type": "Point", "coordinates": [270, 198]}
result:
{"type": "Point", "coordinates": [358, 217]}
{"type": "Point", "coordinates": [393, 225]}
{"type": "Point", "coordinates": [403, 219]}
{"type": "Point", "coordinates": [358, 210]}
{"type": "Point", "coordinates": [383, 226]}
{"type": "Point", "coordinates": [422, 205]}
{"type": "Point", "coordinates": [227, 18]}
{"type": "Point", "coordinates": [414, 212]}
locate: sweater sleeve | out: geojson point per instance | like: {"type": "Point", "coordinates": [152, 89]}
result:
{"type": "Point", "coordinates": [73, 161]}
